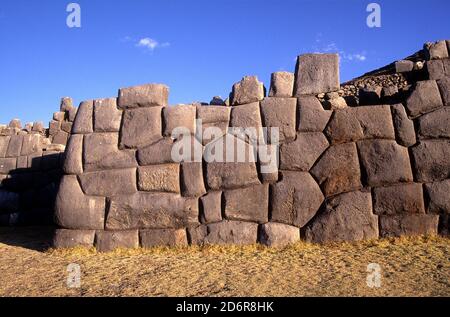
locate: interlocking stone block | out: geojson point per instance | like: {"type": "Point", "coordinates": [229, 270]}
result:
{"type": "Point", "coordinates": [4, 142]}
{"type": "Point", "coordinates": [66, 126]}
{"type": "Point", "coordinates": [66, 104]}
{"type": "Point", "coordinates": [84, 119]}
{"type": "Point", "coordinates": [107, 117]}
{"type": "Point", "coordinates": [248, 90]}
{"type": "Point", "coordinates": [390, 95]}
{"type": "Point", "coordinates": [408, 225]}
{"type": "Point", "coordinates": [435, 124]}
{"type": "Point", "coordinates": [7, 165]}
{"type": "Point", "coordinates": [431, 160]}
{"type": "Point", "coordinates": [101, 152]}
{"type": "Point", "coordinates": [370, 95]}
{"type": "Point", "coordinates": [438, 197]}
{"type": "Point", "coordinates": [151, 211]}
{"type": "Point", "coordinates": [385, 162]}
{"type": "Point", "coordinates": [157, 153]}
{"type": "Point", "coordinates": [353, 124]}
{"type": "Point", "coordinates": [159, 178]}
{"type": "Point", "coordinates": [109, 183]}
{"type": "Point", "coordinates": [60, 138]}
{"type": "Point", "coordinates": [303, 152]}
{"type": "Point", "coordinates": [31, 144]}
{"type": "Point", "coordinates": [197, 234]}
{"type": "Point", "coordinates": [247, 204]}
{"type": "Point", "coordinates": [59, 116]}
{"type": "Point", "coordinates": [424, 98]}
{"type": "Point", "coordinates": [141, 127]}
{"type": "Point", "coordinates": [444, 87]}
{"type": "Point", "coordinates": [268, 162]}
{"type": "Point", "coordinates": [15, 123]}
{"type": "Point", "coordinates": [437, 50]}
{"type": "Point", "coordinates": [275, 234]}
{"type": "Point", "coordinates": [347, 217]}
{"type": "Point", "coordinates": [72, 114]}
{"type": "Point", "coordinates": [73, 163]}
{"type": "Point", "coordinates": [54, 127]}
{"type": "Point", "coordinates": [232, 232]}
{"type": "Point", "coordinates": [107, 241]}
{"type": "Point", "coordinates": [316, 73]}
{"type": "Point", "coordinates": [404, 66]}
{"type": "Point", "coordinates": [211, 207]}
{"type": "Point", "coordinates": [151, 95]}
{"type": "Point", "coordinates": [295, 199]}
{"type": "Point", "coordinates": [66, 239]}
{"type": "Point", "coordinates": [247, 116]}
{"type": "Point", "coordinates": [281, 84]}
{"type": "Point", "coordinates": [15, 146]}
{"type": "Point", "coordinates": [179, 117]}
{"type": "Point", "coordinates": [192, 184]}
{"type": "Point", "coordinates": [435, 69]}
{"type": "Point", "coordinates": [399, 199]}
{"type": "Point", "coordinates": [75, 210]}
{"type": "Point", "coordinates": [338, 170]}
{"type": "Point", "coordinates": [404, 127]}
{"type": "Point", "coordinates": [163, 237]}
{"type": "Point", "coordinates": [280, 113]}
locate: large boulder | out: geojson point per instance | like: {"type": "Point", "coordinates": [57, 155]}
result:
{"type": "Point", "coordinates": [4, 142]}
{"type": "Point", "coordinates": [347, 217]}
{"type": "Point", "coordinates": [141, 127]}
{"type": "Point", "coordinates": [408, 225]}
{"type": "Point", "coordinates": [247, 204]}
{"type": "Point", "coordinates": [232, 232]}
{"type": "Point", "coordinates": [214, 122]}
{"type": "Point", "coordinates": [444, 87]}
{"type": "Point", "coordinates": [399, 199]}
{"type": "Point", "coordinates": [431, 160]}
{"type": "Point", "coordinates": [159, 178]}
{"type": "Point", "coordinates": [163, 237]}
{"type": "Point", "coordinates": [295, 199]}
{"type": "Point", "coordinates": [279, 113]}
{"type": "Point", "coordinates": [109, 182]}
{"type": "Point", "coordinates": [316, 73]}
{"type": "Point", "coordinates": [435, 69]}
{"type": "Point", "coordinates": [31, 144]}
{"type": "Point", "coordinates": [107, 117]}
{"type": "Point", "coordinates": [338, 170]}
{"type": "Point", "coordinates": [385, 162]}
{"type": "Point", "coordinates": [424, 98]}
{"type": "Point", "coordinates": [247, 116]}
{"type": "Point", "coordinates": [438, 197]}
{"type": "Point", "coordinates": [66, 239]}
{"type": "Point", "coordinates": [150, 95]}
{"type": "Point", "coordinates": [211, 207]}
{"type": "Point", "coordinates": [179, 117]}
{"type": "Point", "coordinates": [313, 117]}
{"type": "Point", "coordinates": [248, 90]}
{"type": "Point", "coordinates": [83, 121]}
{"type": "Point", "coordinates": [281, 84]}
{"type": "Point", "coordinates": [73, 162]}
{"type": "Point", "coordinates": [275, 234]}
{"type": "Point", "coordinates": [435, 125]}
{"type": "Point", "coordinates": [404, 127]}
{"type": "Point", "coordinates": [107, 241]}
{"type": "Point", "coordinates": [157, 153]}
{"type": "Point", "coordinates": [15, 146]}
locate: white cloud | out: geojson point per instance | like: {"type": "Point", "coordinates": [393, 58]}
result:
{"type": "Point", "coordinates": [332, 47]}
{"type": "Point", "coordinates": [151, 44]}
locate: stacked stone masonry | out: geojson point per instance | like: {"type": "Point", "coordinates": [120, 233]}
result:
{"type": "Point", "coordinates": [343, 171]}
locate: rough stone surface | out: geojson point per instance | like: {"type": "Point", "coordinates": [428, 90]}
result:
{"type": "Point", "coordinates": [151, 95]}
{"type": "Point", "coordinates": [435, 69]}
{"type": "Point", "coordinates": [313, 118]}
{"type": "Point", "coordinates": [109, 182]}
{"type": "Point", "coordinates": [248, 90]}
{"type": "Point", "coordinates": [7, 165]}
{"type": "Point", "coordinates": [269, 161]}
{"type": "Point", "coordinates": [338, 169]}
{"type": "Point", "coordinates": [281, 84]}
{"type": "Point", "coordinates": [385, 162]}
{"type": "Point", "coordinates": [159, 178]}
{"type": "Point", "coordinates": [107, 241]}
{"type": "Point", "coordinates": [15, 146]}
{"type": "Point", "coordinates": [431, 160]}
{"type": "Point", "coordinates": [335, 103]}
{"type": "Point", "coordinates": [316, 73]}
{"type": "Point", "coordinates": [75, 210]}
{"type": "Point", "coordinates": [211, 207]}
{"type": "Point", "coordinates": [247, 204]}
{"type": "Point", "coordinates": [66, 104]}
{"type": "Point", "coordinates": [84, 120]}
{"type": "Point", "coordinates": [192, 184]}
{"type": "Point", "coordinates": [424, 98]}
{"type": "Point", "coordinates": [163, 237]}
{"type": "Point", "coordinates": [438, 197]}
{"type": "Point", "coordinates": [437, 50]}
{"type": "Point", "coordinates": [399, 199]}
{"type": "Point", "coordinates": [197, 234]}
{"type": "Point", "coordinates": [280, 113]}
{"type": "Point", "coordinates": [444, 87]}
{"type": "Point", "coordinates": [4, 142]}
{"type": "Point", "coordinates": [347, 217]}
{"type": "Point", "coordinates": [66, 239]}
{"type": "Point", "coordinates": [404, 127]}
{"type": "Point", "coordinates": [157, 153]}
{"type": "Point", "coordinates": [31, 144]}
{"type": "Point", "coordinates": [179, 117]}
{"type": "Point", "coordinates": [370, 95]}
{"type": "Point", "coordinates": [404, 66]}
{"type": "Point", "coordinates": [141, 127]}
{"type": "Point", "coordinates": [107, 116]}
{"type": "Point", "coordinates": [232, 232]}
{"type": "Point", "coordinates": [295, 199]}
{"type": "Point", "coordinates": [278, 234]}
{"type": "Point", "coordinates": [73, 163]}
{"type": "Point", "coordinates": [60, 138]}
{"type": "Point", "coordinates": [408, 225]}
{"type": "Point", "coordinates": [435, 124]}
{"type": "Point", "coordinates": [247, 116]}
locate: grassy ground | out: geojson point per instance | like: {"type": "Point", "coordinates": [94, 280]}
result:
{"type": "Point", "coordinates": [410, 266]}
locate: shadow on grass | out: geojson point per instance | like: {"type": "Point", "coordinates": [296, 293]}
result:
{"type": "Point", "coordinates": [33, 238]}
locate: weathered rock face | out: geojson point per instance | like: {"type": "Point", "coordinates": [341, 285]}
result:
{"type": "Point", "coordinates": [280, 113]}
{"type": "Point", "coordinates": [424, 98]}
{"type": "Point", "coordinates": [163, 237]}
{"type": "Point", "coordinates": [431, 160]}
{"type": "Point", "coordinates": [399, 199]}
{"type": "Point", "coordinates": [281, 84]}
{"type": "Point", "coordinates": [141, 127]}
{"type": "Point", "coordinates": [408, 225]}
{"type": "Point", "coordinates": [73, 238]}
{"type": "Point", "coordinates": [248, 90]}
{"type": "Point", "coordinates": [232, 232]}
{"type": "Point", "coordinates": [106, 241]}
{"type": "Point", "coordinates": [404, 127]}
{"type": "Point", "coordinates": [313, 118]}
{"type": "Point", "coordinates": [438, 197]}
{"type": "Point", "coordinates": [247, 204]}
{"type": "Point", "coordinates": [107, 116]}
{"type": "Point", "coordinates": [151, 95]}
{"type": "Point", "coordinates": [278, 235]}
{"type": "Point", "coordinates": [435, 125]}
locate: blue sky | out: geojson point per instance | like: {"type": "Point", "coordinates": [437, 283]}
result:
{"type": "Point", "coordinates": [198, 48]}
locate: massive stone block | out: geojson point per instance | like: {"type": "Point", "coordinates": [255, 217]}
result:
{"type": "Point", "coordinates": [7, 165]}
{"type": "Point", "coordinates": [60, 138]}
{"type": "Point", "coordinates": [385, 162]}
{"type": "Point", "coordinates": [408, 225]}
{"type": "Point", "coordinates": [163, 237]}
{"type": "Point", "coordinates": [338, 169]}
{"type": "Point", "coordinates": [66, 104]}
{"type": "Point", "coordinates": [157, 153]}
{"type": "Point", "coordinates": [107, 116]}
{"type": "Point", "coordinates": [141, 127]}
{"type": "Point", "coordinates": [211, 207]}
{"type": "Point", "coordinates": [107, 241]}
{"type": "Point", "coordinates": [232, 232]}
{"type": "Point", "coordinates": [15, 146]}
{"type": "Point", "coordinates": [151, 211]}
{"type": "Point", "coordinates": [295, 199]}
{"type": "Point", "coordinates": [435, 69]}
{"type": "Point", "coordinates": [192, 184]}
{"type": "Point", "coordinates": [84, 120]}
{"type": "Point", "coordinates": [159, 178]}
{"type": "Point", "coordinates": [280, 113]}
{"type": "Point", "coordinates": [353, 124]}
{"type": "Point", "coordinates": [444, 87]}
{"type": "Point", "coordinates": [437, 50]}
{"type": "Point", "coordinates": [316, 73]}
{"type": "Point", "coordinates": [213, 114]}
{"type": "Point", "coordinates": [247, 116]}
{"type": "Point", "coordinates": [281, 84]}
{"type": "Point", "coordinates": [438, 197]}
{"type": "Point", "coordinates": [431, 160]}
{"type": "Point", "coordinates": [269, 161]}
{"type": "Point", "coordinates": [313, 118]}
{"type": "Point", "coordinates": [370, 95]}
{"type": "Point", "coordinates": [303, 152]}
{"type": "Point", "coordinates": [75, 210]}
{"type": "Point", "coordinates": [179, 117]}
{"type": "Point", "coordinates": [73, 163]}
{"type": "Point", "coordinates": [247, 204]}
{"type": "Point", "coordinates": [399, 199]}
{"type": "Point", "coordinates": [109, 183]}
{"type": "Point", "coordinates": [347, 217]}
{"type": "Point", "coordinates": [31, 144]}
{"type": "Point", "coordinates": [248, 90]}
{"type": "Point", "coordinates": [424, 98]}
{"type": "Point", "coordinates": [150, 95]}
{"type": "Point", "coordinates": [435, 124]}
{"type": "Point", "coordinates": [404, 127]}
{"type": "Point", "coordinates": [275, 234]}
{"type": "Point", "coordinates": [4, 142]}
{"type": "Point", "coordinates": [66, 239]}
{"type": "Point", "coordinates": [404, 66]}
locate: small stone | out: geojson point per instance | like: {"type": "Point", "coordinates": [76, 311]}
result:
{"type": "Point", "coordinates": [66, 104]}
{"type": "Point", "coordinates": [38, 127]}
{"type": "Point", "coordinates": [335, 104]}
{"type": "Point", "coordinates": [217, 101]}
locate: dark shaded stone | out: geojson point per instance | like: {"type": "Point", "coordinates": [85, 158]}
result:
{"type": "Point", "coordinates": [66, 239]}
{"type": "Point", "coordinates": [435, 124]}
{"type": "Point", "coordinates": [424, 98]}
{"type": "Point", "coordinates": [408, 225]}
{"type": "Point", "coordinates": [211, 207]}
{"type": "Point", "coordinates": [399, 199]}
{"type": "Point", "coordinates": [192, 184]}
{"type": "Point", "coordinates": [438, 197]}
{"type": "Point", "coordinates": [444, 87]}
{"type": "Point", "coordinates": [163, 237]}
{"type": "Point", "coordinates": [107, 241]}
{"type": "Point", "coordinates": [431, 160]}
{"type": "Point", "coordinates": [109, 183]}
{"type": "Point", "coordinates": [404, 127]}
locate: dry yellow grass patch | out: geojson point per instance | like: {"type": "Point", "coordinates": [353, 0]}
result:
{"type": "Point", "coordinates": [410, 266]}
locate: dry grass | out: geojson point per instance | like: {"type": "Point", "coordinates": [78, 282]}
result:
{"type": "Point", "coordinates": [410, 267]}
